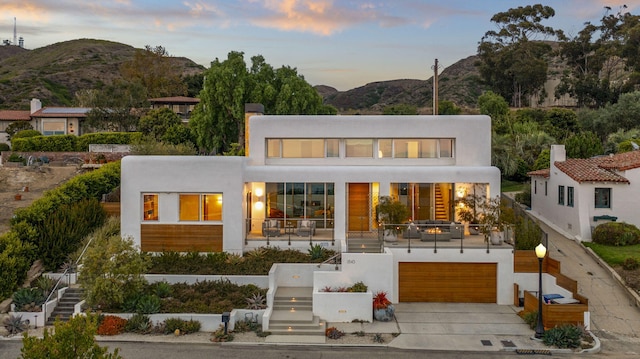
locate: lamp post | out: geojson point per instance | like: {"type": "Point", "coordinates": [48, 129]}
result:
{"type": "Point", "coordinates": [541, 251]}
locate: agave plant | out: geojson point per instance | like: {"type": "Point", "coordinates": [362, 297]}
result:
{"type": "Point", "coordinates": [148, 304]}
{"type": "Point", "coordinates": [28, 298]}
{"type": "Point", "coordinates": [14, 324]}
{"type": "Point", "coordinates": [256, 301]}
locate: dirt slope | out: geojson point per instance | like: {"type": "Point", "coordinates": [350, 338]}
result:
{"type": "Point", "coordinates": [39, 179]}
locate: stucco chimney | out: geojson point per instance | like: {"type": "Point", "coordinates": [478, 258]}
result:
{"type": "Point", "coordinates": [35, 105]}
{"type": "Point", "coordinates": [250, 109]}
{"type": "Point", "coordinates": [558, 154]}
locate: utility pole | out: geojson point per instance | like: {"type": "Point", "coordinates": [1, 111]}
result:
{"type": "Point", "coordinates": [15, 33]}
{"type": "Point", "coordinates": [435, 87]}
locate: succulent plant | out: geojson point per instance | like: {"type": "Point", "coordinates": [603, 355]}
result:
{"type": "Point", "coordinates": [14, 324]}
{"type": "Point", "coordinates": [256, 301]}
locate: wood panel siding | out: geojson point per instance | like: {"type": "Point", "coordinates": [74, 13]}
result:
{"type": "Point", "coordinates": [112, 208]}
{"type": "Point", "coordinates": [557, 314]}
{"type": "Point", "coordinates": [448, 282]}
{"type": "Point", "coordinates": [181, 238]}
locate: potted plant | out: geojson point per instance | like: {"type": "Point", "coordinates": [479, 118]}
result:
{"type": "Point", "coordinates": [383, 310]}
{"type": "Point", "coordinates": [493, 219]}
{"type": "Point", "coordinates": [467, 209]}
{"type": "Point", "coordinates": [391, 213]}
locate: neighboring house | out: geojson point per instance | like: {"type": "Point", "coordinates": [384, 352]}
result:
{"type": "Point", "coordinates": [329, 170]}
{"type": "Point", "coordinates": [181, 105]}
{"type": "Point", "coordinates": [8, 117]}
{"type": "Point", "coordinates": [578, 194]}
{"type": "Point", "coordinates": [58, 120]}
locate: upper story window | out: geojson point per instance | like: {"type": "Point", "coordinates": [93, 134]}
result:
{"type": "Point", "coordinates": [201, 207]}
{"type": "Point", "coordinates": [561, 195]}
{"type": "Point", "coordinates": [360, 148]}
{"type": "Point", "coordinates": [603, 197]}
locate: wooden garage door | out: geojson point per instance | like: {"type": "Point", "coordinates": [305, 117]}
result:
{"type": "Point", "coordinates": [448, 282]}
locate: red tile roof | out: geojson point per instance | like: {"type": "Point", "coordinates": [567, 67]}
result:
{"type": "Point", "coordinates": [596, 169]}
{"type": "Point", "coordinates": [542, 173]}
{"type": "Point", "coordinates": [588, 170]}
{"type": "Point", "coordinates": [11, 115]}
{"type": "Point", "coordinates": [175, 99]}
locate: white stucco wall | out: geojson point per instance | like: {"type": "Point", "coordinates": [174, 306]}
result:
{"type": "Point", "coordinates": [578, 220]}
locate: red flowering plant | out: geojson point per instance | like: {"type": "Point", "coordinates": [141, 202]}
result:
{"type": "Point", "coordinates": [111, 325]}
{"type": "Point", "coordinates": [380, 300]}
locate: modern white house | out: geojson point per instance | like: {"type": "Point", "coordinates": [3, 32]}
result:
{"type": "Point", "coordinates": [576, 194]}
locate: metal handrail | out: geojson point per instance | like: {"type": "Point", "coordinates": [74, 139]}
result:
{"type": "Point", "coordinates": [66, 272]}
{"type": "Point", "coordinates": [334, 258]}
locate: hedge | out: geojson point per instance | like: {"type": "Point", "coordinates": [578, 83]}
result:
{"type": "Point", "coordinates": [16, 257]}
{"type": "Point", "coordinates": [71, 143]}
{"type": "Point", "coordinates": [616, 234]}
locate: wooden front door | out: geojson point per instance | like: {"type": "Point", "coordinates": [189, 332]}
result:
{"type": "Point", "coordinates": [358, 206]}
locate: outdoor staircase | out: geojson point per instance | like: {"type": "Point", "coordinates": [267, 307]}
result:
{"type": "Point", "coordinates": [441, 210]}
{"type": "Point", "coordinates": [64, 309]}
{"type": "Point", "coordinates": [293, 315]}
{"type": "Point", "coordinates": [363, 245]}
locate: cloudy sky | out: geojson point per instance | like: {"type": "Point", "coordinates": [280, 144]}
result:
{"type": "Point", "coordinates": [340, 43]}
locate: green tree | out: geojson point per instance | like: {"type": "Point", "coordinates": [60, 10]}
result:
{"type": "Point", "coordinates": [194, 84]}
{"type": "Point", "coordinates": [157, 121]}
{"type": "Point", "coordinates": [560, 123]}
{"type": "Point", "coordinates": [614, 140]}
{"type": "Point", "coordinates": [543, 161]}
{"type": "Point", "coordinates": [515, 153]}
{"type": "Point", "coordinates": [511, 61]}
{"type": "Point", "coordinates": [17, 126]}
{"type": "Point", "coordinates": [583, 145]}
{"type": "Point", "coordinates": [400, 109]}
{"type": "Point", "coordinates": [73, 339]}
{"type": "Point", "coordinates": [495, 106]}
{"type": "Point", "coordinates": [115, 108]}
{"type": "Point", "coordinates": [448, 108]}
{"type": "Point", "coordinates": [153, 69]}
{"type": "Point", "coordinates": [218, 121]}
{"type": "Point", "coordinates": [112, 268]}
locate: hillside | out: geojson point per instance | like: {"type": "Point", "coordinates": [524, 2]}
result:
{"type": "Point", "coordinates": [459, 83]}
{"type": "Point", "coordinates": [54, 73]}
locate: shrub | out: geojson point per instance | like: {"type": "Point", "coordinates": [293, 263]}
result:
{"type": "Point", "coordinates": [334, 333]}
{"type": "Point", "coordinates": [359, 287]}
{"type": "Point", "coordinates": [16, 257]}
{"type": "Point", "coordinates": [139, 323]}
{"type": "Point", "coordinates": [565, 336]}
{"type": "Point", "coordinates": [219, 335]}
{"type": "Point", "coordinates": [111, 325]}
{"type": "Point", "coordinates": [528, 234]}
{"type": "Point", "coordinates": [4, 147]}
{"type": "Point", "coordinates": [630, 264]}
{"type": "Point", "coordinates": [14, 157]}
{"type": "Point", "coordinates": [530, 318]}
{"type": "Point", "coordinates": [56, 143]}
{"type": "Point", "coordinates": [185, 327]}
{"type": "Point", "coordinates": [26, 134]}
{"type": "Point", "coordinates": [73, 339]}
{"type": "Point", "coordinates": [616, 234]}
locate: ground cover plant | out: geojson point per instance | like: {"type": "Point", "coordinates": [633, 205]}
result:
{"type": "Point", "coordinates": [617, 245]}
{"type": "Point", "coordinates": [256, 262]}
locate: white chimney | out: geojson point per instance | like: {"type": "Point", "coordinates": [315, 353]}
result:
{"type": "Point", "coordinates": [35, 105]}
{"type": "Point", "coordinates": [558, 154]}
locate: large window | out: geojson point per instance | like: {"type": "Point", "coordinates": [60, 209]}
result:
{"type": "Point", "coordinates": [53, 127]}
{"type": "Point", "coordinates": [359, 147]}
{"type": "Point", "coordinates": [570, 196]}
{"type": "Point", "coordinates": [201, 207]}
{"type": "Point", "coordinates": [603, 197]}
{"type": "Point", "coordinates": [150, 207]}
{"type": "Point", "coordinates": [292, 201]}
{"type": "Point", "coordinates": [561, 195]}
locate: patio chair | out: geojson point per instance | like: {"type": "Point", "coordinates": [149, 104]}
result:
{"type": "Point", "coordinates": [306, 228]}
{"type": "Point", "coordinates": [271, 228]}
